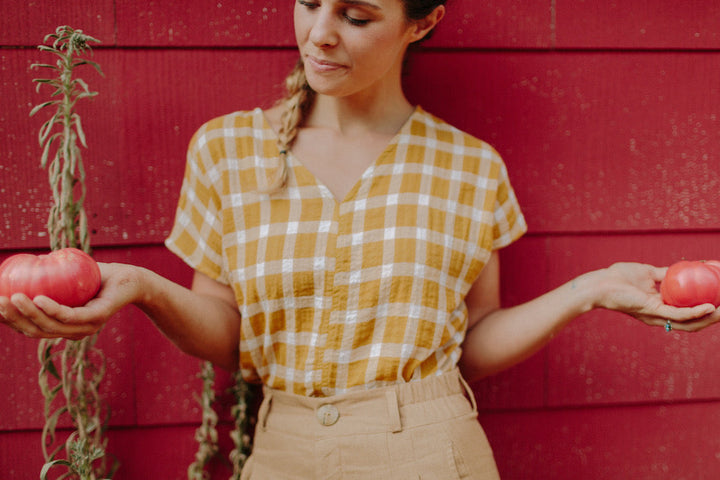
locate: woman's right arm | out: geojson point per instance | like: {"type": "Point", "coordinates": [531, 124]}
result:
{"type": "Point", "coordinates": [203, 321]}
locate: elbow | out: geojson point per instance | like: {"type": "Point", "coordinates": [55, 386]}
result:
{"type": "Point", "coordinates": [469, 370]}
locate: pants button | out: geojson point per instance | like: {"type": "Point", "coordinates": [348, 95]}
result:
{"type": "Point", "coordinates": [327, 414]}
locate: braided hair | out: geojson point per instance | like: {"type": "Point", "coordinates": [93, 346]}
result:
{"type": "Point", "coordinates": [298, 99]}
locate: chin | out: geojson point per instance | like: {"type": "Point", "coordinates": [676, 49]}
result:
{"type": "Point", "coordinates": [330, 90]}
{"type": "Point", "coordinates": [334, 85]}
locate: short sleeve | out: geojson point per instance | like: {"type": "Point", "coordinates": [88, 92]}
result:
{"type": "Point", "coordinates": [509, 220]}
{"type": "Point", "coordinates": [196, 236]}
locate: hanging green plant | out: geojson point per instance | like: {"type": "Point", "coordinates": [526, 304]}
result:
{"type": "Point", "coordinates": [206, 434]}
{"type": "Point", "coordinates": [70, 371]}
{"type": "Point", "coordinates": [244, 422]}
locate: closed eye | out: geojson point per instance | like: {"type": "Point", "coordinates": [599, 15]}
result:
{"type": "Point", "coordinates": [310, 5]}
{"type": "Point", "coordinates": [356, 21]}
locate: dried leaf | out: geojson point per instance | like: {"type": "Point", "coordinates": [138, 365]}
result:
{"type": "Point", "coordinates": [37, 108]}
{"type": "Point", "coordinates": [91, 63]}
{"type": "Point", "coordinates": [43, 65]}
{"type": "Point", "coordinates": [79, 129]}
{"type": "Point", "coordinates": [46, 468]}
{"type": "Point", "coordinates": [46, 149]}
{"type": "Point", "coordinates": [47, 128]}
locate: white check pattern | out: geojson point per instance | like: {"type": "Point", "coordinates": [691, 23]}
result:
{"type": "Point", "coordinates": [338, 296]}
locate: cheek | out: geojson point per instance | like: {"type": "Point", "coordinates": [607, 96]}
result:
{"type": "Point", "coordinates": [379, 49]}
{"type": "Point", "coordinates": [299, 25]}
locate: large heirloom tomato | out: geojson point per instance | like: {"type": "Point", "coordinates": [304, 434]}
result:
{"type": "Point", "coordinates": [69, 276]}
{"type": "Point", "coordinates": [691, 283]}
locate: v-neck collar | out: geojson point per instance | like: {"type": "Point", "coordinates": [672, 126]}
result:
{"type": "Point", "coordinates": [389, 150]}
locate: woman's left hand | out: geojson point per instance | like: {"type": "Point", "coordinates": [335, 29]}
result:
{"type": "Point", "coordinates": [631, 288]}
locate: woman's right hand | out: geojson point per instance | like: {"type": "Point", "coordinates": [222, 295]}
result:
{"type": "Point", "coordinates": [42, 317]}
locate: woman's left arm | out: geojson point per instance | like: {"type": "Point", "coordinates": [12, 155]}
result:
{"type": "Point", "coordinates": [499, 338]}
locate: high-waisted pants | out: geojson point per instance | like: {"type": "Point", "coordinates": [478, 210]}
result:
{"type": "Point", "coordinates": [425, 429]}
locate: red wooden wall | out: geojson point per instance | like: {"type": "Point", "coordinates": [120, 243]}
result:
{"type": "Point", "coordinates": [607, 114]}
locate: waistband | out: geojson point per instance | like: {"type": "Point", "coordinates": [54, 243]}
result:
{"type": "Point", "coordinates": [383, 409]}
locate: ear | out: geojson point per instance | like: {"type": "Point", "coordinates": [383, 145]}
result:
{"type": "Point", "coordinates": [425, 25]}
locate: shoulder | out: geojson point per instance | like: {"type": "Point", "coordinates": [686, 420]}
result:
{"type": "Point", "coordinates": [450, 141]}
{"type": "Point", "coordinates": [231, 125]}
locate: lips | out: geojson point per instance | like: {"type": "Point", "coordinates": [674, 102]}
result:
{"type": "Point", "coordinates": [322, 65]}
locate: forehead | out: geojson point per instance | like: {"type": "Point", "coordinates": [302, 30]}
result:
{"type": "Point", "coordinates": [372, 4]}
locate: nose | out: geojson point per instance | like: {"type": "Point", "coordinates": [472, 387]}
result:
{"type": "Point", "coordinates": [323, 32]}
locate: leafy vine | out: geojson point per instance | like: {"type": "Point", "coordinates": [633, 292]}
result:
{"type": "Point", "coordinates": [206, 434]}
{"type": "Point", "coordinates": [244, 421]}
{"type": "Point", "coordinates": [70, 371]}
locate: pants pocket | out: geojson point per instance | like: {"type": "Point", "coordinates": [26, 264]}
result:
{"type": "Point", "coordinates": [471, 451]}
{"type": "Point", "coordinates": [423, 453]}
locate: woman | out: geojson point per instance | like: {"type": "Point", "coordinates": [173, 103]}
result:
{"type": "Point", "coordinates": [349, 240]}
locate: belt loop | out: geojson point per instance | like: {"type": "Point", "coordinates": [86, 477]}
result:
{"type": "Point", "coordinates": [469, 392]}
{"type": "Point", "coordinates": [265, 409]}
{"type": "Point", "coordinates": [393, 410]}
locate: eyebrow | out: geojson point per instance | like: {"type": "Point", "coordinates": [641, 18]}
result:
{"type": "Point", "coordinates": [361, 3]}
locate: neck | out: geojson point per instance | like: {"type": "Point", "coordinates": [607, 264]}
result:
{"type": "Point", "coordinates": [381, 109]}
{"type": "Point", "coordinates": [351, 116]}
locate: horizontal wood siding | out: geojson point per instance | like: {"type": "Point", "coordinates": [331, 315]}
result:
{"type": "Point", "coordinates": [606, 113]}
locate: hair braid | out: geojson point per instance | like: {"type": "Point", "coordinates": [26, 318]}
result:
{"type": "Point", "coordinates": [297, 102]}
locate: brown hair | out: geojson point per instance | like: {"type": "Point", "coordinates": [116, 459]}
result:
{"type": "Point", "coordinates": [299, 97]}
{"type": "Point", "coordinates": [296, 103]}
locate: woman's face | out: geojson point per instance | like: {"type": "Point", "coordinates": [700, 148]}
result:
{"type": "Point", "coordinates": [350, 46]}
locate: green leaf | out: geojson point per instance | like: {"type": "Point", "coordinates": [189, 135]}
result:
{"type": "Point", "coordinates": [46, 150]}
{"type": "Point", "coordinates": [85, 95]}
{"type": "Point", "coordinates": [52, 369]}
{"type": "Point", "coordinates": [37, 108]}
{"type": "Point", "coordinates": [43, 65]}
{"type": "Point", "coordinates": [45, 48]}
{"type": "Point", "coordinates": [47, 128]}
{"type": "Point", "coordinates": [46, 468]}
{"type": "Point", "coordinates": [49, 36]}
{"type": "Point", "coordinates": [80, 95]}
{"type": "Point", "coordinates": [81, 82]}
{"type": "Point", "coordinates": [51, 422]}
{"type": "Point", "coordinates": [45, 80]}
{"type": "Point", "coordinates": [41, 81]}
{"type": "Point", "coordinates": [78, 127]}
{"type": "Point", "coordinates": [91, 63]}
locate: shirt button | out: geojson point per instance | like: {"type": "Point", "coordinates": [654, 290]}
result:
{"type": "Point", "coordinates": [327, 414]}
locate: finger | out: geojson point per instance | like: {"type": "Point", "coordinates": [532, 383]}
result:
{"type": "Point", "coordinates": [658, 273]}
{"type": "Point", "coordinates": [53, 309]}
{"type": "Point", "coordinates": [91, 314]}
{"type": "Point", "coordinates": [695, 324]}
{"type": "Point", "coordinates": [34, 322]}
{"type": "Point", "coordinates": [4, 306]}
{"type": "Point", "coordinates": [684, 314]}
{"type": "Point", "coordinates": [14, 319]}
{"type": "Point", "coordinates": [11, 317]}
{"type": "Point", "coordinates": [23, 304]}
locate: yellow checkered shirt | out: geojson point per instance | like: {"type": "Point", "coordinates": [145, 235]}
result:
{"type": "Point", "coordinates": [339, 296]}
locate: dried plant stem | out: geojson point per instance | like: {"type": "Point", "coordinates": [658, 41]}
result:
{"type": "Point", "coordinates": [243, 423]}
{"type": "Point", "coordinates": [82, 368]}
{"type": "Point", "coordinates": [82, 365]}
{"type": "Point", "coordinates": [206, 435]}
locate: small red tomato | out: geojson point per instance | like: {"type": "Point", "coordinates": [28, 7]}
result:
{"type": "Point", "coordinates": [691, 283]}
{"type": "Point", "coordinates": [69, 276]}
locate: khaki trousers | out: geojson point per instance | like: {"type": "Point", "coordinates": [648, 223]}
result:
{"type": "Point", "coordinates": [419, 430]}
